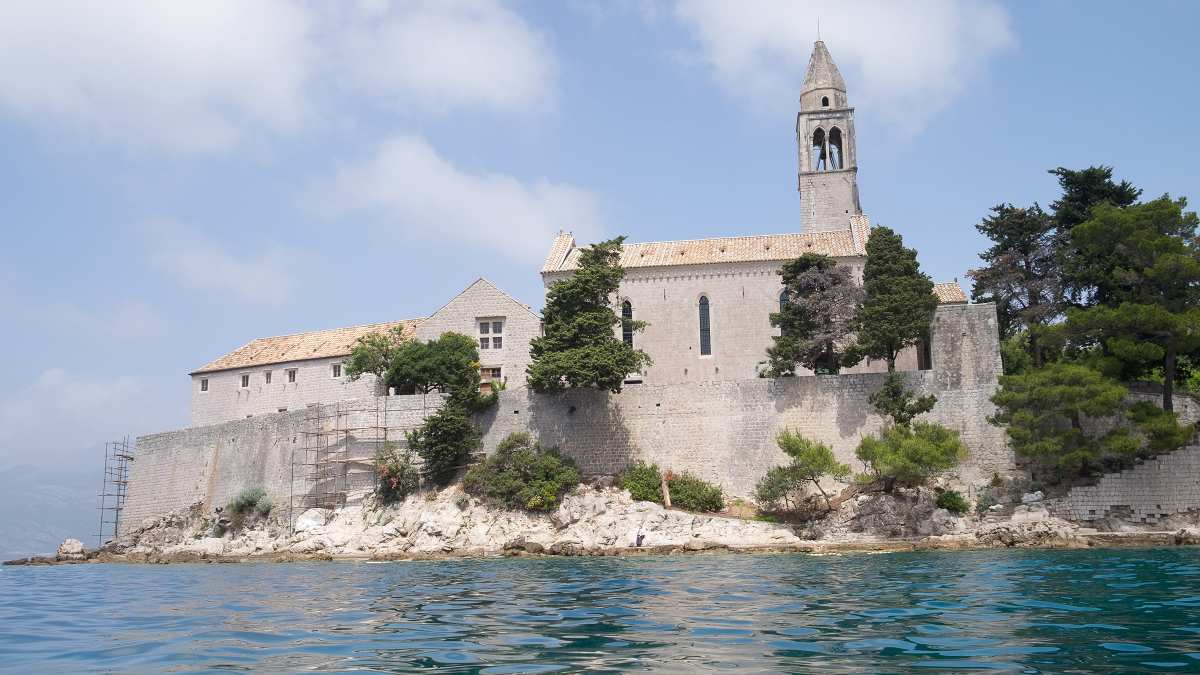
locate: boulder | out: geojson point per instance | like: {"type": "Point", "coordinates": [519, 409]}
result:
{"type": "Point", "coordinates": [71, 549]}
{"type": "Point", "coordinates": [1188, 536]}
{"type": "Point", "coordinates": [311, 520]}
{"type": "Point", "coordinates": [1032, 497]}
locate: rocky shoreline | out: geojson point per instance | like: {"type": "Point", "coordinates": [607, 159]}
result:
{"type": "Point", "coordinates": [594, 521]}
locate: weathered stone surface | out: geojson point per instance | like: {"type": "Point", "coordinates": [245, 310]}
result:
{"type": "Point", "coordinates": [311, 520]}
{"type": "Point", "coordinates": [71, 549]}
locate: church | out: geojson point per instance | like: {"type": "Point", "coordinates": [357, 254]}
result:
{"type": "Point", "coordinates": [706, 302]}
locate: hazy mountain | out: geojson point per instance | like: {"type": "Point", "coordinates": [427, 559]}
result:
{"type": "Point", "coordinates": [41, 506]}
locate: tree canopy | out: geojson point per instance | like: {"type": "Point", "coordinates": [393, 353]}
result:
{"type": "Point", "coordinates": [899, 301]}
{"type": "Point", "coordinates": [896, 401]}
{"type": "Point", "coordinates": [374, 353]}
{"type": "Point", "coordinates": [579, 346]}
{"type": "Point", "coordinates": [909, 455]}
{"type": "Point", "coordinates": [816, 316]}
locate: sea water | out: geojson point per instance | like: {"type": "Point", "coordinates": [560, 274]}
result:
{"type": "Point", "coordinates": [1019, 611]}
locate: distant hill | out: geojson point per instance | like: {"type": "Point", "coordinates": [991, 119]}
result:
{"type": "Point", "coordinates": [41, 506]}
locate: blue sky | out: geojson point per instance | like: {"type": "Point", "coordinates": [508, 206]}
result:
{"type": "Point", "coordinates": [178, 180]}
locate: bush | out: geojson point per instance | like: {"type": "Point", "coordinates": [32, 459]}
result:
{"type": "Point", "coordinates": [907, 456]}
{"type": "Point", "coordinates": [523, 475]}
{"type": "Point", "coordinates": [644, 482]}
{"type": "Point", "coordinates": [811, 461]}
{"type": "Point", "coordinates": [693, 494]}
{"type": "Point", "coordinates": [985, 502]}
{"type": "Point", "coordinates": [953, 501]}
{"type": "Point", "coordinates": [778, 490]}
{"type": "Point", "coordinates": [444, 442]}
{"type": "Point", "coordinates": [248, 500]}
{"type": "Point", "coordinates": [398, 476]}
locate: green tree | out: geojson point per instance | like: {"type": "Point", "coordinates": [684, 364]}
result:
{"type": "Point", "coordinates": [1054, 416]}
{"type": "Point", "coordinates": [811, 461]}
{"type": "Point", "coordinates": [816, 316]}
{"type": "Point", "coordinates": [899, 302]}
{"type": "Point", "coordinates": [444, 442]}
{"type": "Point", "coordinates": [896, 401]}
{"type": "Point", "coordinates": [1083, 189]}
{"type": "Point", "coordinates": [1147, 291]}
{"type": "Point", "coordinates": [909, 455]}
{"type": "Point", "coordinates": [579, 346]}
{"type": "Point", "coordinates": [448, 364]}
{"type": "Point", "coordinates": [1022, 274]}
{"type": "Point", "coordinates": [521, 474]}
{"type": "Point", "coordinates": [374, 353]}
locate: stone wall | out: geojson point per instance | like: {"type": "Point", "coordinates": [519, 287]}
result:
{"type": "Point", "coordinates": [722, 431]}
{"type": "Point", "coordinates": [212, 464]}
{"type": "Point", "coordinates": [226, 398]}
{"type": "Point", "coordinates": [1155, 489]}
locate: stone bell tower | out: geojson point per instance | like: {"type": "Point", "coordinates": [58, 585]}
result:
{"type": "Point", "coordinates": [825, 139]}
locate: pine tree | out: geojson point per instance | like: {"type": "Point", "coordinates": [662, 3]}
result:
{"type": "Point", "coordinates": [899, 301]}
{"type": "Point", "coordinates": [579, 346]}
{"type": "Point", "coordinates": [1022, 275]}
{"type": "Point", "coordinates": [1149, 284]}
{"type": "Point", "coordinates": [815, 317]}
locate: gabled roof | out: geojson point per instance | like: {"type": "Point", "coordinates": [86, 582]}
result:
{"type": "Point", "coordinates": [851, 242]}
{"type": "Point", "coordinates": [317, 344]}
{"type": "Point", "coordinates": [482, 283]}
{"type": "Point", "coordinates": [950, 293]}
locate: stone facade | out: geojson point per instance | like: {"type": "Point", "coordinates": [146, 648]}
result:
{"type": "Point", "coordinates": [1157, 489]}
{"type": "Point", "coordinates": [218, 395]}
{"type": "Point", "coordinates": [827, 155]}
{"type": "Point", "coordinates": [483, 303]}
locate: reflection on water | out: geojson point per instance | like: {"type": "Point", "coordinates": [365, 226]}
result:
{"type": "Point", "coordinates": [1039, 611]}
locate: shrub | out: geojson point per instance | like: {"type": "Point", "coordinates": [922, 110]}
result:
{"type": "Point", "coordinates": [523, 475]}
{"type": "Point", "coordinates": [264, 506]}
{"type": "Point", "coordinates": [777, 490]}
{"type": "Point", "coordinates": [398, 476]}
{"type": "Point", "coordinates": [954, 502]}
{"type": "Point", "coordinates": [811, 461]}
{"type": "Point", "coordinates": [444, 441]}
{"type": "Point", "coordinates": [248, 499]}
{"type": "Point", "coordinates": [644, 482]}
{"type": "Point", "coordinates": [985, 502]}
{"type": "Point", "coordinates": [901, 455]}
{"type": "Point", "coordinates": [693, 494]}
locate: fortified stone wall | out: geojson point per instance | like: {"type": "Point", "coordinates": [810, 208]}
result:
{"type": "Point", "coordinates": [1158, 488]}
{"type": "Point", "coordinates": [721, 431]}
{"type": "Point", "coordinates": [212, 464]}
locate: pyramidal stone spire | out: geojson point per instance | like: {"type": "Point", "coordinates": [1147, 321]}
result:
{"type": "Point", "coordinates": [823, 83]}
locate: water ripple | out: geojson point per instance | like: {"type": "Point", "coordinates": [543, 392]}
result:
{"type": "Point", "coordinates": [1000, 610]}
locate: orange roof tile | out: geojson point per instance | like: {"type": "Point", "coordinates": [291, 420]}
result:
{"type": "Point", "coordinates": [317, 344]}
{"type": "Point", "coordinates": [950, 293]}
{"type": "Point", "coordinates": [758, 248]}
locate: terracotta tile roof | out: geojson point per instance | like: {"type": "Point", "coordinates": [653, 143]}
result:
{"type": "Point", "coordinates": [759, 248]}
{"type": "Point", "coordinates": [317, 344]}
{"type": "Point", "coordinates": [950, 293]}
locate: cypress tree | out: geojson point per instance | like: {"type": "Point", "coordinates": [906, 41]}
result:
{"type": "Point", "coordinates": [899, 301]}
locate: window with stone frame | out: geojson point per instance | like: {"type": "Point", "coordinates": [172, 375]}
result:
{"type": "Point", "coordinates": [490, 332]}
{"type": "Point", "coordinates": [245, 380]}
{"type": "Point", "coordinates": [204, 384]}
{"type": "Point", "coordinates": [267, 377]}
{"type": "Point", "coordinates": [337, 370]}
{"type": "Point", "coordinates": [627, 323]}
{"type": "Point", "coordinates": [291, 374]}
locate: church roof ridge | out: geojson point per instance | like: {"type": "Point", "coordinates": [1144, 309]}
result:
{"type": "Point", "coordinates": [841, 243]}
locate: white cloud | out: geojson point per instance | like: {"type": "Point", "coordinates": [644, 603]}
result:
{"type": "Point", "coordinates": [196, 260]}
{"type": "Point", "coordinates": [408, 183]}
{"type": "Point", "coordinates": [203, 77]}
{"type": "Point", "coordinates": [904, 60]}
{"type": "Point", "coordinates": [71, 409]}
{"type": "Point", "coordinates": [447, 54]}
{"type": "Point", "coordinates": [185, 76]}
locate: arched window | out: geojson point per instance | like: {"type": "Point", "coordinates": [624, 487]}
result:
{"type": "Point", "coordinates": [837, 156]}
{"type": "Point", "coordinates": [705, 328]}
{"type": "Point", "coordinates": [824, 101]}
{"type": "Point", "coordinates": [818, 150]}
{"type": "Point", "coordinates": [627, 322]}
{"type": "Point", "coordinates": [783, 300]}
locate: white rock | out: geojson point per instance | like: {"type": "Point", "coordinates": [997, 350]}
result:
{"type": "Point", "coordinates": [71, 549]}
{"type": "Point", "coordinates": [311, 520]}
{"type": "Point", "coordinates": [1032, 497]}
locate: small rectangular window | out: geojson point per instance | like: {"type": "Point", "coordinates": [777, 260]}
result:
{"type": "Point", "coordinates": [483, 327]}
{"type": "Point", "coordinates": [497, 327]}
{"type": "Point", "coordinates": [204, 384]}
{"type": "Point", "coordinates": [337, 370]}
{"type": "Point", "coordinates": [497, 342]}
{"type": "Point", "coordinates": [283, 410]}
{"type": "Point", "coordinates": [267, 377]}
{"type": "Point", "coordinates": [291, 375]}
{"type": "Point", "coordinates": [483, 343]}
{"type": "Point", "coordinates": [245, 381]}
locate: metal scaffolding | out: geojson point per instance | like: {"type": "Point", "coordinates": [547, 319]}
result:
{"type": "Point", "coordinates": [117, 456]}
{"type": "Point", "coordinates": [335, 462]}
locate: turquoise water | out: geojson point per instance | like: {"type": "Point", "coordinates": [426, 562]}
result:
{"type": "Point", "coordinates": [1023, 611]}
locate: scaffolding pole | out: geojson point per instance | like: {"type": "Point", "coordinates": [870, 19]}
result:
{"type": "Point", "coordinates": [114, 488]}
